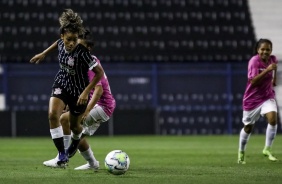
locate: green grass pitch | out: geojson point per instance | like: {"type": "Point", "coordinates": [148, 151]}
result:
{"type": "Point", "coordinates": [154, 159]}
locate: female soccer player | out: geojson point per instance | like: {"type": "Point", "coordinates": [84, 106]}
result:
{"type": "Point", "coordinates": [259, 98]}
{"type": "Point", "coordinates": [71, 86]}
{"type": "Point", "coordinates": [99, 110]}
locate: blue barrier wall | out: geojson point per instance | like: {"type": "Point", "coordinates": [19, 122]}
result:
{"type": "Point", "coordinates": [186, 98]}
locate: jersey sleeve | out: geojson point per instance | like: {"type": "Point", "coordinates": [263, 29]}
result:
{"type": "Point", "coordinates": [253, 69]}
{"type": "Point", "coordinates": [60, 44]}
{"type": "Point", "coordinates": [274, 59]}
{"type": "Point", "coordinates": [90, 61]}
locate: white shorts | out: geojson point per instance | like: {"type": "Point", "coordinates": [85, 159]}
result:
{"type": "Point", "coordinates": [250, 117]}
{"type": "Point", "coordinates": [92, 122]}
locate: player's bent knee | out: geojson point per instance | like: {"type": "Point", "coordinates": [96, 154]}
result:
{"type": "Point", "coordinates": [248, 128]}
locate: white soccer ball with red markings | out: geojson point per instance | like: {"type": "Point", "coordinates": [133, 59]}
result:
{"type": "Point", "coordinates": [117, 162]}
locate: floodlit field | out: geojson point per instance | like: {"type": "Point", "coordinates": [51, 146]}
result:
{"type": "Point", "coordinates": [154, 159]}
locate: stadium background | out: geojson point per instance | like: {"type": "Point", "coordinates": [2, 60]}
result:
{"type": "Point", "coordinates": [176, 67]}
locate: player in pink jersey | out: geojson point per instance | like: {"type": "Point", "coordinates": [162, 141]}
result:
{"type": "Point", "coordinates": [99, 109]}
{"type": "Point", "coordinates": [259, 98]}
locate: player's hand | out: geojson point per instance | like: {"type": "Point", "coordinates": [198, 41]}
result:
{"type": "Point", "coordinates": [37, 58]}
{"type": "Point", "coordinates": [83, 99]}
{"type": "Point", "coordinates": [272, 66]}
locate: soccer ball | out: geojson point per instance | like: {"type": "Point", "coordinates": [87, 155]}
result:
{"type": "Point", "coordinates": [117, 162]}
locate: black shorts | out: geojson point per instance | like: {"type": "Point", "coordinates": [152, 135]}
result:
{"type": "Point", "coordinates": [69, 100]}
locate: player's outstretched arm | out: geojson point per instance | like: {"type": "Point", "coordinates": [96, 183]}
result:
{"type": "Point", "coordinates": [39, 57]}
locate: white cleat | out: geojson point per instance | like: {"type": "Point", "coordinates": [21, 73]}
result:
{"type": "Point", "coordinates": [52, 163]}
{"type": "Point", "coordinates": [87, 166]}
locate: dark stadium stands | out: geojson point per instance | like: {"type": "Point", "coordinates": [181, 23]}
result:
{"type": "Point", "coordinates": [185, 59]}
{"type": "Point", "coordinates": [133, 30]}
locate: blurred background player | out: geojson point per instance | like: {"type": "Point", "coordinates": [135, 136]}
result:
{"type": "Point", "coordinates": [259, 98]}
{"type": "Point", "coordinates": [99, 110]}
{"type": "Point", "coordinates": [71, 86]}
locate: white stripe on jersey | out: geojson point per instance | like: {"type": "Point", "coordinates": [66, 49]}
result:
{"type": "Point", "coordinates": [74, 66]}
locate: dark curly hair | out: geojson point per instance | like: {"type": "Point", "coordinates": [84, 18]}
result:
{"type": "Point", "coordinates": [87, 36]}
{"type": "Point", "coordinates": [70, 21]}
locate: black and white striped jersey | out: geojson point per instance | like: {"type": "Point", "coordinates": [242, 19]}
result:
{"type": "Point", "coordinates": [74, 66]}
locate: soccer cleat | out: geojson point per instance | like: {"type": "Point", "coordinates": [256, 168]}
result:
{"type": "Point", "coordinates": [241, 157]}
{"type": "Point", "coordinates": [62, 161]}
{"type": "Point", "coordinates": [51, 163]}
{"type": "Point", "coordinates": [267, 152]}
{"type": "Point", "coordinates": [87, 166]}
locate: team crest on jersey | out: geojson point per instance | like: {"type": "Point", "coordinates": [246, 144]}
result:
{"type": "Point", "coordinates": [57, 91]}
{"type": "Point", "coordinates": [71, 61]}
